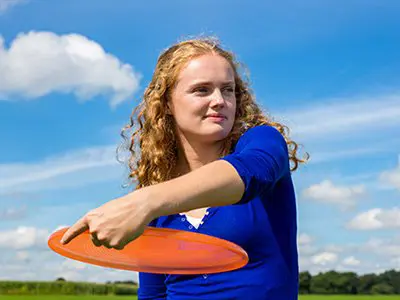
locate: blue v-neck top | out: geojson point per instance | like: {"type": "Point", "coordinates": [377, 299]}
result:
{"type": "Point", "coordinates": [263, 223]}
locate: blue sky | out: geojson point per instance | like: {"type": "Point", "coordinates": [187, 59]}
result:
{"type": "Point", "coordinates": [72, 71]}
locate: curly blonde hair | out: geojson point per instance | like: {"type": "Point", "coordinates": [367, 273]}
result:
{"type": "Point", "coordinates": [155, 158]}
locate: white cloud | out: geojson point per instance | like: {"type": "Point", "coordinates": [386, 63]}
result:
{"type": "Point", "coordinates": [351, 261]}
{"type": "Point", "coordinates": [70, 264]}
{"type": "Point", "coordinates": [315, 258]}
{"type": "Point", "coordinates": [7, 4]}
{"type": "Point", "coordinates": [345, 116]}
{"type": "Point", "coordinates": [304, 239]}
{"type": "Point", "coordinates": [82, 166]}
{"type": "Point", "coordinates": [395, 262]}
{"type": "Point", "coordinates": [376, 218]}
{"type": "Point", "coordinates": [326, 191]}
{"type": "Point", "coordinates": [374, 256]}
{"type": "Point", "coordinates": [22, 256]}
{"type": "Point", "coordinates": [333, 248]}
{"type": "Point", "coordinates": [305, 247]}
{"type": "Point", "coordinates": [389, 248]}
{"type": "Point", "coordinates": [324, 258]}
{"type": "Point", "coordinates": [23, 238]}
{"type": "Point", "coordinates": [352, 127]}
{"type": "Point", "coordinates": [392, 177]}
{"type": "Point", "coordinates": [24, 253]}
{"type": "Point", "coordinates": [39, 63]}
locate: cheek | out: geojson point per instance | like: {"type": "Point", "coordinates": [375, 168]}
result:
{"type": "Point", "coordinates": [189, 112]}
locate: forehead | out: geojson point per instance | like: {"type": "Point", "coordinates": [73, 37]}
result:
{"type": "Point", "coordinates": [206, 68]}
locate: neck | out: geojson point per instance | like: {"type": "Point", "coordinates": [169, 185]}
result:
{"type": "Point", "coordinates": [192, 156]}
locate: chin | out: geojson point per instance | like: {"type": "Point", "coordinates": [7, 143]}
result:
{"type": "Point", "coordinates": [216, 134]}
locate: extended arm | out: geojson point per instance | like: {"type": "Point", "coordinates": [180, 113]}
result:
{"type": "Point", "coordinates": [259, 161]}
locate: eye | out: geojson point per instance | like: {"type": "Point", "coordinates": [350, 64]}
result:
{"type": "Point", "coordinates": [229, 89]}
{"type": "Point", "coordinates": [201, 90]}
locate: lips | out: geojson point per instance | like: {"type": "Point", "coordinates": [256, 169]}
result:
{"type": "Point", "coordinates": [216, 115]}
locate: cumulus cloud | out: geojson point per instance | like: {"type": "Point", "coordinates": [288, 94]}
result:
{"type": "Point", "coordinates": [374, 256]}
{"type": "Point", "coordinates": [305, 247]}
{"type": "Point", "coordinates": [324, 258]}
{"type": "Point", "coordinates": [26, 256]}
{"type": "Point", "coordinates": [7, 4]}
{"type": "Point", "coordinates": [34, 265]}
{"type": "Point", "coordinates": [326, 191]}
{"type": "Point", "coordinates": [376, 218]}
{"type": "Point", "coordinates": [39, 63]}
{"type": "Point", "coordinates": [387, 248]}
{"type": "Point", "coordinates": [314, 258]}
{"type": "Point", "coordinates": [392, 177]}
{"type": "Point", "coordinates": [23, 238]}
{"type": "Point", "coordinates": [351, 261]}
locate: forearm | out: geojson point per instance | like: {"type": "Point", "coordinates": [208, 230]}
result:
{"type": "Point", "coordinates": [215, 184]}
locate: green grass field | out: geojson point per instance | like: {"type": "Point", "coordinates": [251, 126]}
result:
{"type": "Point", "coordinates": [378, 297]}
{"type": "Point", "coordinates": [313, 297]}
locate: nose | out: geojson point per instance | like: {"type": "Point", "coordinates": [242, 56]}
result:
{"type": "Point", "coordinates": [217, 100]}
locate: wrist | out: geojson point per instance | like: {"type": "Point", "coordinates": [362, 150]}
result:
{"type": "Point", "coordinates": [149, 202]}
{"type": "Point", "coordinates": [139, 202]}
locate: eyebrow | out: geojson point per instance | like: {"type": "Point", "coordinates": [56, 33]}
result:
{"type": "Point", "coordinates": [199, 83]}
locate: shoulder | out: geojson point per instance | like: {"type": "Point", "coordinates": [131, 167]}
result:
{"type": "Point", "coordinates": [262, 130]}
{"type": "Point", "coordinates": [261, 134]}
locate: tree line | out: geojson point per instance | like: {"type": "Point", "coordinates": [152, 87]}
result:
{"type": "Point", "coordinates": [333, 282]}
{"type": "Point", "coordinates": [330, 282]}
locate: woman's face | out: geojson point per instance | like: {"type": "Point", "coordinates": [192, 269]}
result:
{"type": "Point", "coordinates": [203, 102]}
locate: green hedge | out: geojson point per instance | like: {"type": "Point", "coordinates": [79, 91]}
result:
{"type": "Point", "coordinates": [64, 288]}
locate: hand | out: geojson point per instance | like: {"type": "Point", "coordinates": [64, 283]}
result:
{"type": "Point", "coordinates": [116, 223]}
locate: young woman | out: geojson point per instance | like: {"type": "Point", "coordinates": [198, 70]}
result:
{"type": "Point", "coordinates": [209, 161]}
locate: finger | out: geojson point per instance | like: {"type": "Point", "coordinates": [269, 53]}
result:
{"type": "Point", "coordinates": [75, 230]}
{"type": "Point", "coordinates": [133, 237]}
{"type": "Point", "coordinates": [95, 240]}
{"type": "Point", "coordinates": [119, 247]}
{"type": "Point", "coordinates": [107, 246]}
{"type": "Point", "coordinates": [117, 244]}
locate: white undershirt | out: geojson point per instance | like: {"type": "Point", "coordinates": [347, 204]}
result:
{"type": "Point", "coordinates": [196, 222]}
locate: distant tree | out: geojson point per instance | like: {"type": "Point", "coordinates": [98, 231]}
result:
{"type": "Point", "coordinates": [305, 283]}
{"type": "Point", "coordinates": [382, 289]}
{"type": "Point", "coordinates": [60, 279]}
{"type": "Point", "coordinates": [366, 282]}
{"type": "Point", "coordinates": [128, 282]}
{"type": "Point", "coordinates": [391, 278]}
{"type": "Point", "coordinates": [333, 282]}
{"type": "Point", "coordinates": [321, 284]}
{"type": "Point", "coordinates": [346, 283]}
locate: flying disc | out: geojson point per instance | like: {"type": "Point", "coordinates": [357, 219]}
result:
{"type": "Point", "coordinates": [157, 250]}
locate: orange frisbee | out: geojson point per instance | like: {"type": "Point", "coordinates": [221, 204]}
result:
{"type": "Point", "coordinates": [157, 250]}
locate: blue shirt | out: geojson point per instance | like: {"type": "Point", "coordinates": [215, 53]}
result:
{"type": "Point", "coordinates": [263, 223]}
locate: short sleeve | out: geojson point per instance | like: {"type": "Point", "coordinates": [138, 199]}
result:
{"type": "Point", "coordinates": [261, 159]}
